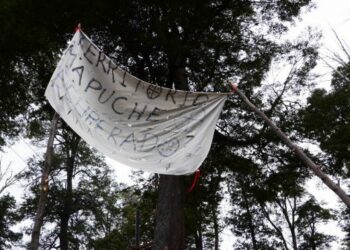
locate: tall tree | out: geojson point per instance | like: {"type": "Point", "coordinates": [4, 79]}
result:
{"type": "Point", "coordinates": [331, 110]}
{"type": "Point", "coordinates": [310, 215]}
{"type": "Point", "coordinates": [44, 190]}
{"type": "Point", "coordinates": [76, 210]}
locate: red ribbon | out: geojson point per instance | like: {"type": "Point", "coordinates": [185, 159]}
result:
{"type": "Point", "coordinates": [197, 174]}
{"type": "Point", "coordinates": [78, 28]}
{"type": "Point", "coordinates": [234, 87]}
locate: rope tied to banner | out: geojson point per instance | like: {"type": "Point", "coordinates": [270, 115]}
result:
{"type": "Point", "coordinates": [234, 87]}
{"type": "Point", "coordinates": [197, 174]}
{"type": "Point", "coordinates": [78, 28]}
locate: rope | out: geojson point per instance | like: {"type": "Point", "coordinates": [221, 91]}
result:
{"type": "Point", "coordinates": [78, 28]}
{"type": "Point", "coordinates": [234, 87]}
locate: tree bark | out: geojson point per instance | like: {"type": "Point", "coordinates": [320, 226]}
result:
{"type": "Point", "coordinates": [137, 226]}
{"type": "Point", "coordinates": [72, 148]}
{"type": "Point", "coordinates": [169, 231]}
{"type": "Point", "coordinates": [198, 239]}
{"type": "Point", "coordinates": [66, 213]}
{"type": "Point", "coordinates": [298, 152]}
{"type": "Point", "coordinates": [38, 221]}
{"type": "Point", "coordinates": [250, 217]}
{"type": "Point", "coordinates": [216, 230]}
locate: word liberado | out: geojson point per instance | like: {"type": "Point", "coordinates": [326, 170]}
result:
{"type": "Point", "coordinates": [141, 125]}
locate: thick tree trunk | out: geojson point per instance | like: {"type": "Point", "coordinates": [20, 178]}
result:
{"type": "Point", "coordinates": [169, 231]}
{"type": "Point", "coordinates": [298, 152]}
{"type": "Point", "coordinates": [38, 221]}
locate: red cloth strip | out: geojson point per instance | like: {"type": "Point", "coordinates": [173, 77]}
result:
{"type": "Point", "coordinates": [197, 174]}
{"type": "Point", "coordinates": [78, 28]}
{"type": "Point", "coordinates": [234, 87]}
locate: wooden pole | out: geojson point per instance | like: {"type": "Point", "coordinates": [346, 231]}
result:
{"type": "Point", "coordinates": [297, 150]}
{"type": "Point", "coordinates": [38, 221]}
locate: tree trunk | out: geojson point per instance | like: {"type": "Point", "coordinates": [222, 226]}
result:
{"type": "Point", "coordinates": [169, 232]}
{"type": "Point", "coordinates": [38, 221]}
{"type": "Point", "coordinates": [71, 154]}
{"type": "Point", "coordinates": [137, 226]}
{"type": "Point", "coordinates": [198, 239]}
{"type": "Point", "coordinates": [250, 217]}
{"type": "Point", "coordinates": [313, 234]}
{"type": "Point", "coordinates": [282, 203]}
{"type": "Point", "coordinates": [66, 213]}
{"type": "Point", "coordinates": [63, 236]}
{"type": "Point", "coordinates": [216, 230]}
{"type": "Point", "coordinates": [298, 152]}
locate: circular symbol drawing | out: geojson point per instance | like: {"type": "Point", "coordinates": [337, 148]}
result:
{"type": "Point", "coordinates": [153, 91]}
{"type": "Point", "coordinates": [169, 147]}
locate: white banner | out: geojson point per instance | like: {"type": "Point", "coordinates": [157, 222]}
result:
{"type": "Point", "coordinates": [141, 125]}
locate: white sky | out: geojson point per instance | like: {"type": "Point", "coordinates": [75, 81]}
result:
{"type": "Point", "coordinates": [329, 14]}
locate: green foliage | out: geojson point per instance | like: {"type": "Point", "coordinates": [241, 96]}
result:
{"type": "Point", "coordinates": [202, 221]}
{"type": "Point", "coordinates": [267, 201]}
{"type": "Point", "coordinates": [81, 212]}
{"type": "Point", "coordinates": [311, 215]}
{"type": "Point", "coordinates": [327, 117]}
{"type": "Point", "coordinates": [142, 197]}
{"type": "Point", "coordinates": [94, 211]}
{"type": "Point", "coordinates": [8, 218]}
{"type": "Point", "coordinates": [344, 219]}
{"type": "Point", "coordinates": [326, 120]}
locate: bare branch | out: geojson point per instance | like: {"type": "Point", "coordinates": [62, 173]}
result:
{"type": "Point", "coordinates": [341, 43]}
{"type": "Point", "coordinates": [7, 177]}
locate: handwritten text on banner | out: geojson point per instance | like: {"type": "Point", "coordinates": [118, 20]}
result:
{"type": "Point", "coordinates": [136, 123]}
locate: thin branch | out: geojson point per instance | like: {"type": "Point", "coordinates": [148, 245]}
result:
{"type": "Point", "coordinates": [337, 71]}
{"type": "Point", "coordinates": [10, 180]}
{"type": "Point", "coordinates": [341, 43]}
{"type": "Point", "coordinates": [278, 230]}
